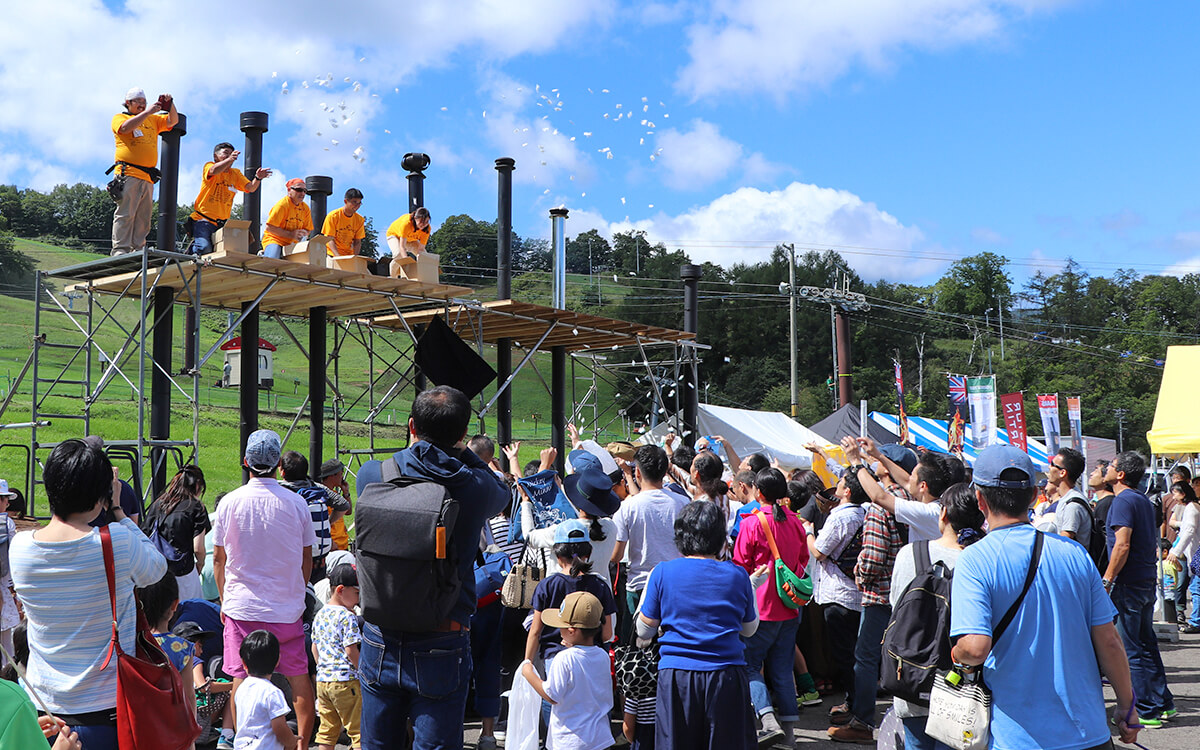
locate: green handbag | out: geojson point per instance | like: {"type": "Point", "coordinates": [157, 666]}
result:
{"type": "Point", "coordinates": [793, 590]}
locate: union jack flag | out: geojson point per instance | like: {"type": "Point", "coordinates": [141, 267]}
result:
{"type": "Point", "coordinates": [958, 390]}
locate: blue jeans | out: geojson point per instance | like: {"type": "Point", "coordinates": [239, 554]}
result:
{"type": "Point", "coordinates": [202, 232]}
{"type": "Point", "coordinates": [1135, 621]}
{"type": "Point", "coordinates": [770, 650]}
{"type": "Point", "coordinates": [485, 653]}
{"type": "Point", "coordinates": [272, 251]}
{"type": "Point", "coordinates": [422, 676]}
{"type": "Point", "coordinates": [868, 652]}
{"type": "Point", "coordinates": [915, 737]}
{"type": "Point", "coordinates": [1194, 589]}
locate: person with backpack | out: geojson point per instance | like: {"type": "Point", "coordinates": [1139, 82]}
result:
{"type": "Point", "coordinates": [773, 530]}
{"type": "Point", "coordinates": [416, 648]}
{"type": "Point", "coordinates": [918, 634]}
{"type": "Point", "coordinates": [835, 551]}
{"type": "Point", "coordinates": [1073, 516]}
{"type": "Point", "coordinates": [179, 519]}
{"type": "Point", "coordinates": [1044, 671]}
{"type": "Point", "coordinates": [322, 504]}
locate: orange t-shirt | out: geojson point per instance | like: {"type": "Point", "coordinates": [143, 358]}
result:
{"type": "Point", "coordinates": [406, 230]}
{"type": "Point", "coordinates": [290, 216]}
{"type": "Point", "coordinates": [344, 230]}
{"type": "Point", "coordinates": [216, 193]}
{"type": "Point", "coordinates": [139, 146]}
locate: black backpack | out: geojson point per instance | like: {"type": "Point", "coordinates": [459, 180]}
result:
{"type": "Point", "coordinates": [1098, 543]}
{"type": "Point", "coordinates": [917, 641]}
{"type": "Point", "coordinates": [407, 563]}
{"type": "Point", "coordinates": [179, 562]}
{"type": "Point", "coordinates": [848, 558]}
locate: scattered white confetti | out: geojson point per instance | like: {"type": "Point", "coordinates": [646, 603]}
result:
{"type": "Point", "coordinates": [609, 155]}
{"type": "Point", "coordinates": [471, 170]}
{"type": "Point", "coordinates": [304, 84]}
{"type": "Point", "coordinates": [604, 150]}
{"type": "Point", "coordinates": [485, 113]}
{"type": "Point", "coordinates": [641, 141]}
{"type": "Point", "coordinates": [572, 178]}
{"type": "Point", "coordinates": [603, 91]}
{"type": "Point", "coordinates": [362, 59]}
{"type": "Point", "coordinates": [346, 79]}
{"type": "Point", "coordinates": [622, 203]}
{"type": "Point", "coordinates": [397, 91]}
{"type": "Point", "coordinates": [526, 143]}
{"type": "Point", "coordinates": [444, 109]}
{"type": "Point", "coordinates": [333, 141]}
{"type": "Point", "coordinates": [590, 91]}
{"type": "Point", "coordinates": [546, 191]}
{"type": "Point", "coordinates": [651, 205]}
{"type": "Point", "coordinates": [665, 115]}
{"type": "Point", "coordinates": [643, 98]}
{"type": "Point", "coordinates": [587, 134]}
{"type": "Point", "coordinates": [651, 157]}
{"type": "Point", "coordinates": [645, 107]}
{"type": "Point", "coordinates": [619, 106]}
{"type": "Point", "coordinates": [387, 131]}
{"type": "Point", "coordinates": [274, 74]}
{"type": "Point", "coordinates": [297, 52]}
{"type": "Point", "coordinates": [605, 115]}
{"type": "Point", "coordinates": [357, 86]}
{"type": "Point", "coordinates": [572, 138]}
{"type": "Point", "coordinates": [583, 195]}
{"type": "Point", "coordinates": [553, 91]}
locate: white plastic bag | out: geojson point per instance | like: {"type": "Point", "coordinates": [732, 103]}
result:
{"type": "Point", "coordinates": [524, 711]}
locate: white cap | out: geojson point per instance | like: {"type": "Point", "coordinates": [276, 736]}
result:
{"type": "Point", "coordinates": [4, 490]}
{"type": "Point", "coordinates": [134, 93]}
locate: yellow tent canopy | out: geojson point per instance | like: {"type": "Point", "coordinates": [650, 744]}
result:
{"type": "Point", "coordinates": [1177, 416]}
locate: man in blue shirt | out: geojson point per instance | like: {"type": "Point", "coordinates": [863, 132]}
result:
{"type": "Point", "coordinates": [1130, 578]}
{"type": "Point", "coordinates": [1045, 671]}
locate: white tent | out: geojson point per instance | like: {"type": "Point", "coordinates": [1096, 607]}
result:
{"type": "Point", "coordinates": [768, 432]}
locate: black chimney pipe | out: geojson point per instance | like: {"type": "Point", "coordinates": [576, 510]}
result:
{"type": "Point", "coordinates": [168, 186]}
{"type": "Point", "coordinates": [416, 164]}
{"type": "Point", "coordinates": [254, 124]}
{"type": "Point", "coordinates": [504, 166]}
{"type": "Point", "coordinates": [319, 190]}
{"type": "Point", "coordinates": [691, 323]}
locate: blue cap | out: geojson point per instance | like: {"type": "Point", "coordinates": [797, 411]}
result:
{"type": "Point", "coordinates": [902, 456]}
{"type": "Point", "coordinates": [263, 450]}
{"type": "Point", "coordinates": [572, 530]}
{"type": "Point", "coordinates": [997, 459]}
{"type": "Point", "coordinates": [581, 459]}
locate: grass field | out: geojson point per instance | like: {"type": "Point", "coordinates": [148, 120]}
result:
{"type": "Point", "coordinates": [114, 412]}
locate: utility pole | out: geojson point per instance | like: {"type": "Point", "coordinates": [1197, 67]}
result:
{"type": "Point", "coordinates": [1120, 428]}
{"type": "Point", "coordinates": [841, 302]}
{"type": "Point", "coordinates": [791, 292]}
{"type": "Point", "coordinates": [1000, 314]}
{"type": "Point", "coordinates": [921, 367]}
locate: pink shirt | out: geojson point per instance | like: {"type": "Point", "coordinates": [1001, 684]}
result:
{"type": "Point", "coordinates": [267, 533]}
{"type": "Point", "coordinates": [752, 550]}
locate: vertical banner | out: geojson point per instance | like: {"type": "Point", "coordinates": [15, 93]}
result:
{"type": "Point", "coordinates": [1012, 406]}
{"type": "Point", "coordinates": [981, 398]}
{"type": "Point", "coordinates": [1075, 419]}
{"type": "Point", "coordinates": [1048, 408]}
{"type": "Point", "coordinates": [954, 437]}
{"type": "Point", "coordinates": [904, 438]}
{"type": "Point", "coordinates": [958, 413]}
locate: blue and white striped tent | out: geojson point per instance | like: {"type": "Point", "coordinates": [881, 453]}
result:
{"type": "Point", "coordinates": [934, 434]}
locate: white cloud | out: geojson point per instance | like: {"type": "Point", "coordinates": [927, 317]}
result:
{"type": "Point", "coordinates": [745, 225]}
{"type": "Point", "coordinates": [987, 236]}
{"type": "Point", "coordinates": [784, 45]}
{"type": "Point", "coordinates": [698, 157]}
{"type": "Point", "coordinates": [94, 54]}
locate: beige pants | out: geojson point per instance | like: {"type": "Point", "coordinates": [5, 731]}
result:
{"type": "Point", "coordinates": [339, 704]}
{"type": "Point", "coordinates": [131, 221]}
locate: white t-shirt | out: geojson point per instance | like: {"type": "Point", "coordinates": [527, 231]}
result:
{"type": "Point", "coordinates": [646, 522]}
{"type": "Point", "coordinates": [580, 683]}
{"type": "Point", "coordinates": [258, 702]}
{"type": "Point", "coordinates": [922, 519]}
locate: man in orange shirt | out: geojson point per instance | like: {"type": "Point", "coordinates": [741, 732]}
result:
{"type": "Point", "coordinates": [407, 236]}
{"type": "Point", "coordinates": [214, 204]}
{"type": "Point", "coordinates": [289, 222]}
{"type": "Point", "coordinates": [135, 132]}
{"type": "Point", "coordinates": [346, 226]}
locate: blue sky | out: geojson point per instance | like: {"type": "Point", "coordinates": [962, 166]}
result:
{"type": "Point", "coordinates": [906, 133]}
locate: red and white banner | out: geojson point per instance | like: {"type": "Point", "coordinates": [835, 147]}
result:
{"type": "Point", "coordinates": [1013, 408]}
{"type": "Point", "coordinates": [1075, 419]}
{"type": "Point", "coordinates": [1048, 406]}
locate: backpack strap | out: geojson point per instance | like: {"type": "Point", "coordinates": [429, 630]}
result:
{"type": "Point", "coordinates": [390, 470]}
{"type": "Point", "coordinates": [921, 559]}
{"type": "Point", "coordinates": [762, 518]}
{"type": "Point", "coordinates": [1012, 611]}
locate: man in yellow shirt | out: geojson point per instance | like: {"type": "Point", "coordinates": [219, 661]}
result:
{"type": "Point", "coordinates": [214, 204]}
{"type": "Point", "coordinates": [407, 236]}
{"type": "Point", "coordinates": [289, 222]}
{"type": "Point", "coordinates": [346, 226]}
{"type": "Point", "coordinates": [135, 132]}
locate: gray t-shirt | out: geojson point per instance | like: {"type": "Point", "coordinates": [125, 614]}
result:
{"type": "Point", "coordinates": [903, 573]}
{"type": "Point", "coordinates": [646, 522]}
{"type": "Point", "coordinates": [1073, 517]}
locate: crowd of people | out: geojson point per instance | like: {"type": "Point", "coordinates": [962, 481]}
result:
{"type": "Point", "coordinates": [135, 166]}
{"type": "Point", "coordinates": [270, 612]}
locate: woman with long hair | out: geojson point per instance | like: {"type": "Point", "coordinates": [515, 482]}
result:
{"type": "Point", "coordinates": [181, 518]}
{"type": "Point", "coordinates": [1186, 542]}
{"type": "Point", "coordinates": [707, 484]}
{"type": "Point", "coordinates": [961, 524]}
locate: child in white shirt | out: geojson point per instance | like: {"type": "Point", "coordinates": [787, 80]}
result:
{"type": "Point", "coordinates": [578, 682]}
{"type": "Point", "coordinates": [260, 706]}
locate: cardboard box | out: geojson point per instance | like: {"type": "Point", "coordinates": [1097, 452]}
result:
{"type": "Point", "coordinates": [355, 263]}
{"type": "Point", "coordinates": [234, 237]}
{"type": "Point", "coordinates": [424, 269]}
{"type": "Point", "coordinates": [311, 251]}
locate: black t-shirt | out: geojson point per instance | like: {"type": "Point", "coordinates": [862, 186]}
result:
{"type": "Point", "coordinates": [550, 594]}
{"type": "Point", "coordinates": [187, 520]}
{"type": "Point", "coordinates": [130, 503]}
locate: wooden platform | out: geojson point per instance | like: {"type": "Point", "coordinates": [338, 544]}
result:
{"type": "Point", "coordinates": [525, 324]}
{"type": "Point", "coordinates": [226, 280]}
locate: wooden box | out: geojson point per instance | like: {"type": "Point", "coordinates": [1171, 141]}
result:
{"type": "Point", "coordinates": [355, 263]}
{"type": "Point", "coordinates": [311, 251]}
{"type": "Point", "coordinates": [424, 270]}
{"type": "Point", "coordinates": [234, 237]}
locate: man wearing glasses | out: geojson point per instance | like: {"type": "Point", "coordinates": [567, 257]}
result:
{"type": "Point", "coordinates": [289, 222]}
{"type": "Point", "coordinates": [1074, 515]}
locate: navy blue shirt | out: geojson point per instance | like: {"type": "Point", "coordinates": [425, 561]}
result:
{"type": "Point", "coordinates": [1131, 509]}
{"type": "Point", "coordinates": [550, 594]}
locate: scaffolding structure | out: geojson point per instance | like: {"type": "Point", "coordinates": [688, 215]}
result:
{"type": "Point", "coordinates": [70, 373]}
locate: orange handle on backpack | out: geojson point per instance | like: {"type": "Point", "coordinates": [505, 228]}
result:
{"type": "Point", "coordinates": [441, 542]}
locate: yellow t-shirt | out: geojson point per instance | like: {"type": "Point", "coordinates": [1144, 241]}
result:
{"type": "Point", "coordinates": [338, 534]}
{"type": "Point", "coordinates": [290, 216]}
{"type": "Point", "coordinates": [344, 230]}
{"type": "Point", "coordinates": [407, 231]}
{"type": "Point", "coordinates": [139, 146]}
{"type": "Point", "coordinates": [216, 193]}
